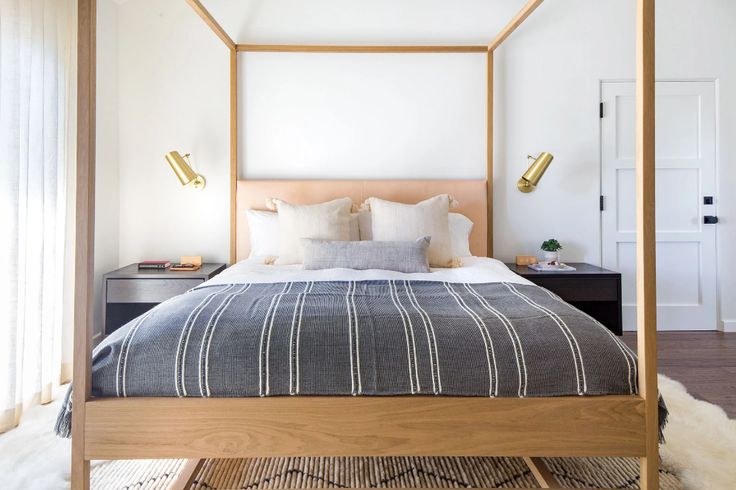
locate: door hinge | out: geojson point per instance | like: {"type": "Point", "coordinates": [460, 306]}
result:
{"type": "Point", "coordinates": [600, 110]}
{"type": "Point", "coordinates": [602, 203]}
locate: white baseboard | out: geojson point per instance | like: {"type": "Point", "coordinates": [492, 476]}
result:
{"type": "Point", "coordinates": [728, 325]}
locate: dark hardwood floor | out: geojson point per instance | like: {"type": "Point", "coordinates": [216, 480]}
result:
{"type": "Point", "coordinates": [705, 362]}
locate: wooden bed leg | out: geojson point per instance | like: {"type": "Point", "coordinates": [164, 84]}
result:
{"type": "Point", "coordinates": [187, 474]}
{"type": "Point", "coordinates": [80, 471]}
{"type": "Point", "coordinates": [649, 473]}
{"type": "Point", "coordinates": [541, 473]}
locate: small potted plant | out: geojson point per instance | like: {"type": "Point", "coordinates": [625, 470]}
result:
{"type": "Point", "coordinates": [551, 249]}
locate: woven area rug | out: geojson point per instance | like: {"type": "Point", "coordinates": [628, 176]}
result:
{"type": "Point", "coordinates": [374, 473]}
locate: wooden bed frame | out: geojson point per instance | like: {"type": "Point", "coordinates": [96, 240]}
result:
{"type": "Point", "coordinates": [122, 428]}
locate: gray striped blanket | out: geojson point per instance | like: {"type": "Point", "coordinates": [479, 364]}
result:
{"type": "Point", "coordinates": [362, 338]}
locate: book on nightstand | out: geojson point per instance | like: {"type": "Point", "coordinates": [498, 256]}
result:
{"type": "Point", "coordinates": [154, 264]}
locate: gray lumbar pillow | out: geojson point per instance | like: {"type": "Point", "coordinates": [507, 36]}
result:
{"type": "Point", "coordinates": [404, 256]}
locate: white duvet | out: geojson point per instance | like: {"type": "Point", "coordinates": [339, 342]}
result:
{"type": "Point", "coordinates": [474, 270]}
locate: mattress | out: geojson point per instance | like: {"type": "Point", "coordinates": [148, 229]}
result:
{"type": "Point", "coordinates": [263, 330]}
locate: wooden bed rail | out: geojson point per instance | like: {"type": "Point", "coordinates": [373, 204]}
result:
{"type": "Point", "coordinates": [525, 12]}
{"type": "Point", "coordinates": [124, 428]}
{"type": "Point", "coordinates": [196, 428]}
{"type": "Point", "coordinates": [352, 48]}
{"type": "Point", "coordinates": [212, 23]}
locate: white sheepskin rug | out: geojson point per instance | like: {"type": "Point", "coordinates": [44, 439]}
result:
{"type": "Point", "coordinates": [31, 456]}
{"type": "Point", "coordinates": [700, 440]}
{"type": "Point", "coordinates": [700, 447]}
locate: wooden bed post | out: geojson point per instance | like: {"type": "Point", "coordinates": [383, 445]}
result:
{"type": "Point", "coordinates": [84, 234]}
{"type": "Point", "coordinates": [646, 284]}
{"type": "Point", "coordinates": [489, 151]}
{"type": "Point", "coordinates": [233, 154]}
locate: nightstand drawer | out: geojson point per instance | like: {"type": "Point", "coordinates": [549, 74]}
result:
{"type": "Point", "coordinates": [147, 290]}
{"type": "Point", "coordinates": [590, 289]}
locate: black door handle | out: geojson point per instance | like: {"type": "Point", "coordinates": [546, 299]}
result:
{"type": "Point", "coordinates": [710, 220]}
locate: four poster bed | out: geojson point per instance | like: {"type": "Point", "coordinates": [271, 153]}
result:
{"type": "Point", "coordinates": [465, 424]}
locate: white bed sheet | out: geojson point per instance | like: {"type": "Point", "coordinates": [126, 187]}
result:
{"type": "Point", "coordinates": [474, 270]}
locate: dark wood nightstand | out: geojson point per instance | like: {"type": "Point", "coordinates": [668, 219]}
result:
{"type": "Point", "coordinates": [129, 292]}
{"type": "Point", "coordinates": [590, 288]}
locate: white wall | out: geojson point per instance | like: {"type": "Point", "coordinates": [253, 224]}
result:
{"type": "Point", "coordinates": [173, 94]}
{"type": "Point", "coordinates": [298, 121]}
{"type": "Point", "coordinates": [173, 86]}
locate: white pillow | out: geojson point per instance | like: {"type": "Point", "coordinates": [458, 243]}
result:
{"type": "Point", "coordinates": [263, 228]}
{"type": "Point", "coordinates": [325, 221]}
{"type": "Point", "coordinates": [393, 221]}
{"type": "Point", "coordinates": [460, 228]}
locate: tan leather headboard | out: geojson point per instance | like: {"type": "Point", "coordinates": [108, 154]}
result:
{"type": "Point", "coordinates": [471, 195]}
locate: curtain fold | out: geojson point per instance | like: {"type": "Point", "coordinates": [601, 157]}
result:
{"type": "Point", "coordinates": [36, 73]}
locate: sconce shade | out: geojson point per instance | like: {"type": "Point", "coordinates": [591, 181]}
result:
{"type": "Point", "coordinates": [183, 171]}
{"type": "Point", "coordinates": [534, 173]}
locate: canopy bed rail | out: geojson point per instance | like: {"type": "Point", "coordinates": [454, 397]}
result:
{"type": "Point", "coordinates": [303, 426]}
{"type": "Point", "coordinates": [333, 48]}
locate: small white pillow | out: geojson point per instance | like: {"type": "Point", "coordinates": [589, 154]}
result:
{"type": "Point", "coordinates": [263, 228]}
{"type": "Point", "coordinates": [325, 221]}
{"type": "Point", "coordinates": [460, 228]}
{"type": "Point", "coordinates": [393, 221]}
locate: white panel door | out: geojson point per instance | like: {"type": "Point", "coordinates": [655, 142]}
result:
{"type": "Point", "coordinates": [685, 173]}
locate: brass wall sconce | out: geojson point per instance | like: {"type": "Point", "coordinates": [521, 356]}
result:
{"type": "Point", "coordinates": [531, 177]}
{"type": "Point", "coordinates": [182, 169]}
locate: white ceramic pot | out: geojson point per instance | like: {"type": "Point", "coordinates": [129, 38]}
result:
{"type": "Point", "coordinates": [551, 257]}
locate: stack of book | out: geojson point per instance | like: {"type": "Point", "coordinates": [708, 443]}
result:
{"type": "Point", "coordinates": [154, 264]}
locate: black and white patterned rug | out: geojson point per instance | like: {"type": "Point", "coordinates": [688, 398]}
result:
{"type": "Point", "coordinates": [399, 472]}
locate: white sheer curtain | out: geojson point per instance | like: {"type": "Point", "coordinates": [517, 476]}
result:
{"type": "Point", "coordinates": [37, 73]}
